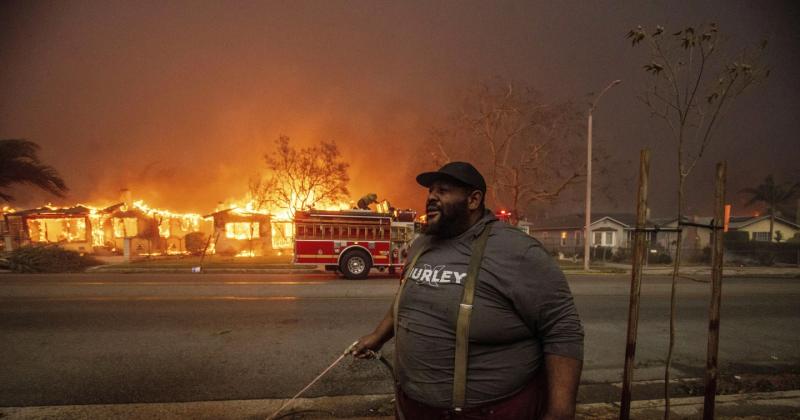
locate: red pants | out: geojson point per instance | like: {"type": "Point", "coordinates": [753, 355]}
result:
{"type": "Point", "coordinates": [529, 403]}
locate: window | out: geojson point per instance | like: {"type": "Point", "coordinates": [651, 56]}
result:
{"type": "Point", "coordinates": [609, 239]}
{"type": "Point", "coordinates": [125, 227]}
{"type": "Point", "coordinates": [56, 230]}
{"type": "Point", "coordinates": [578, 237]}
{"type": "Point", "coordinates": [242, 230]}
{"type": "Point", "coordinates": [761, 236]}
{"type": "Point", "coordinates": [605, 238]}
{"type": "Point", "coordinates": [563, 238]}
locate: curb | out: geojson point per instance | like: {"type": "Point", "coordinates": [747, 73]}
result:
{"type": "Point", "coordinates": [380, 406]}
{"type": "Point", "coordinates": [212, 270]}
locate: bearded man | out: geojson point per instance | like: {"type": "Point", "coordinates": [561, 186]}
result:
{"type": "Point", "coordinates": [484, 321]}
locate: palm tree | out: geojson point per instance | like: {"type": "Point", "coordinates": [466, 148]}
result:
{"type": "Point", "coordinates": [772, 195]}
{"type": "Point", "coordinates": [19, 164]}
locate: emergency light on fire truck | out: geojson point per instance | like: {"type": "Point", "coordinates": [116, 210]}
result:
{"type": "Point", "coordinates": [504, 216]}
{"type": "Point", "coordinates": [352, 242]}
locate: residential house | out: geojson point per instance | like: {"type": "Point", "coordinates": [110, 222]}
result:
{"type": "Point", "coordinates": [696, 232]}
{"type": "Point", "coordinates": [243, 233]}
{"type": "Point", "coordinates": [71, 227]}
{"type": "Point", "coordinates": [564, 234]}
{"type": "Point", "coordinates": [757, 227]}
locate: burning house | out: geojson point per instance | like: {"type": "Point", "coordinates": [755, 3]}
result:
{"type": "Point", "coordinates": [130, 229]}
{"type": "Point", "coordinates": [240, 232]}
{"type": "Point", "coordinates": [78, 228]}
{"type": "Point", "coordinates": [149, 231]}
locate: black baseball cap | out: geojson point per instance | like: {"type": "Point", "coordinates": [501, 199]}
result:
{"type": "Point", "coordinates": [460, 171]}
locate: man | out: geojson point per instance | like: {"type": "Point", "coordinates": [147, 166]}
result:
{"type": "Point", "coordinates": [365, 201]}
{"type": "Point", "coordinates": [523, 338]}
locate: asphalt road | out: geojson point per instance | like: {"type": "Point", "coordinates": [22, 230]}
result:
{"type": "Point", "coordinates": [111, 338]}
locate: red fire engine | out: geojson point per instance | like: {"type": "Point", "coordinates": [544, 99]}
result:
{"type": "Point", "coordinates": [353, 241]}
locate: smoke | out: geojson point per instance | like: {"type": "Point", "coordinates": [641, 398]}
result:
{"type": "Point", "coordinates": [178, 101]}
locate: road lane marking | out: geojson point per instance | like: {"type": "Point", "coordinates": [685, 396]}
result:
{"type": "Point", "coordinates": [183, 298]}
{"type": "Point", "coordinates": [160, 283]}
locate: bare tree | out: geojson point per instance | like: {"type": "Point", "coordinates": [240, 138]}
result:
{"type": "Point", "coordinates": [302, 179]}
{"type": "Point", "coordinates": [691, 87]}
{"type": "Point", "coordinates": [529, 149]}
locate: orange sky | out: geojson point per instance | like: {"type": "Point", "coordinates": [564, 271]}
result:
{"type": "Point", "coordinates": [178, 100]}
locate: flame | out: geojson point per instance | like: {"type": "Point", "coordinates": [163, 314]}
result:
{"type": "Point", "coordinates": [101, 228]}
{"type": "Point", "coordinates": [281, 218]}
{"type": "Point", "coordinates": [245, 253]}
{"type": "Point", "coordinates": [242, 230]}
{"type": "Point", "coordinates": [185, 222]}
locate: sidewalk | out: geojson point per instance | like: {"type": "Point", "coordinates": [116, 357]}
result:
{"type": "Point", "coordinates": [690, 270]}
{"type": "Point", "coordinates": [782, 404]}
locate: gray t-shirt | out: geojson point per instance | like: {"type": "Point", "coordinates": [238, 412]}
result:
{"type": "Point", "coordinates": [523, 308]}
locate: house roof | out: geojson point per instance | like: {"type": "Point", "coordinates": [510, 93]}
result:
{"type": "Point", "coordinates": [700, 220]}
{"type": "Point", "coordinates": [67, 211]}
{"type": "Point", "coordinates": [238, 213]}
{"type": "Point", "coordinates": [738, 222]}
{"type": "Point", "coordinates": [576, 221]}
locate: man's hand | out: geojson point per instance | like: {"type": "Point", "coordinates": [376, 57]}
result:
{"type": "Point", "coordinates": [374, 341]}
{"type": "Point", "coordinates": [365, 344]}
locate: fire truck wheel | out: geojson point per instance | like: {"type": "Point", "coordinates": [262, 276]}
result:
{"type": "Point", "coordinates": [356, 264]}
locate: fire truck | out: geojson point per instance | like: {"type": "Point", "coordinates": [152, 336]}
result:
{"type": "Point", "coordinates": [352, 242]}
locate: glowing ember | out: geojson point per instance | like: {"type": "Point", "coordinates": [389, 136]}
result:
{"type": "Point", "coordinates": [67, 229]}
{"type": "Point", "coordinates": [242, 230]}
{"type": "Point", "coordinates": [245, 253]}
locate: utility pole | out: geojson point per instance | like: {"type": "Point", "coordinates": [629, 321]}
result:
{"type": "Point", "coordinates": [586, 231]}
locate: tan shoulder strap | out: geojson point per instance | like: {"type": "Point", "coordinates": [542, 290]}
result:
{"type": "Point", "coordinates": [464, 316]}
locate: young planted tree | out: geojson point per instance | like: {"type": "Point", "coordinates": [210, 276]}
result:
{"type": "Point", "coordinates": [20, 164]}
{"type": "Point", "coordinates": [692, 84]}
{"type": "Point", "coordinates": [773, 196]}
{"type": "Point", "coordinates": [299, 179]}
{"type": "Point", "coordinates": [530, 150]}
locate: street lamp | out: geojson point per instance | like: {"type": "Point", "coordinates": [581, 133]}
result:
{"type": "Point", "coordinates": [586, 232]}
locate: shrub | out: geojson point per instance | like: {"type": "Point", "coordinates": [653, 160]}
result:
{"type": "Point", "coordinates": [48, 259]}
{"type": "Point", "coordinates": [659, 258]}
{"type": "Point", "coordinates": [621, 255]}
{"type": "Point", "coordinates": [602, 253]}
{"type": "Point", "coordinates": [195, 242]}
{"type": "Point", "coordinates": [735, 239]}
{"type": "Point", "coordinates": [765, 253]}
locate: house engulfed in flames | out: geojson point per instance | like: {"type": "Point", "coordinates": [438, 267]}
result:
{"type": "Point", "coordinates": [128, 228]}
{"type": "Point", "coordinates": [135, 229]}
{"type": "Point", "coordinates": [75, 228]}
{"type": "Point", "coordinates": [238, 232]}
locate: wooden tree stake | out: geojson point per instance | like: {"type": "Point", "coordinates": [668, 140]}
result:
{"type": "Point", "coordinates": [716, 294]}
{"type": "Point", "coordinates": [639, 255]}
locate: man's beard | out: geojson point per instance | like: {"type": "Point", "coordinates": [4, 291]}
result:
{"type": "Point", "coordinates": [453, 219]}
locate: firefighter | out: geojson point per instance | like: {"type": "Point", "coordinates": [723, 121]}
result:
{"type": "Point", "coordinates": [366, 200]}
